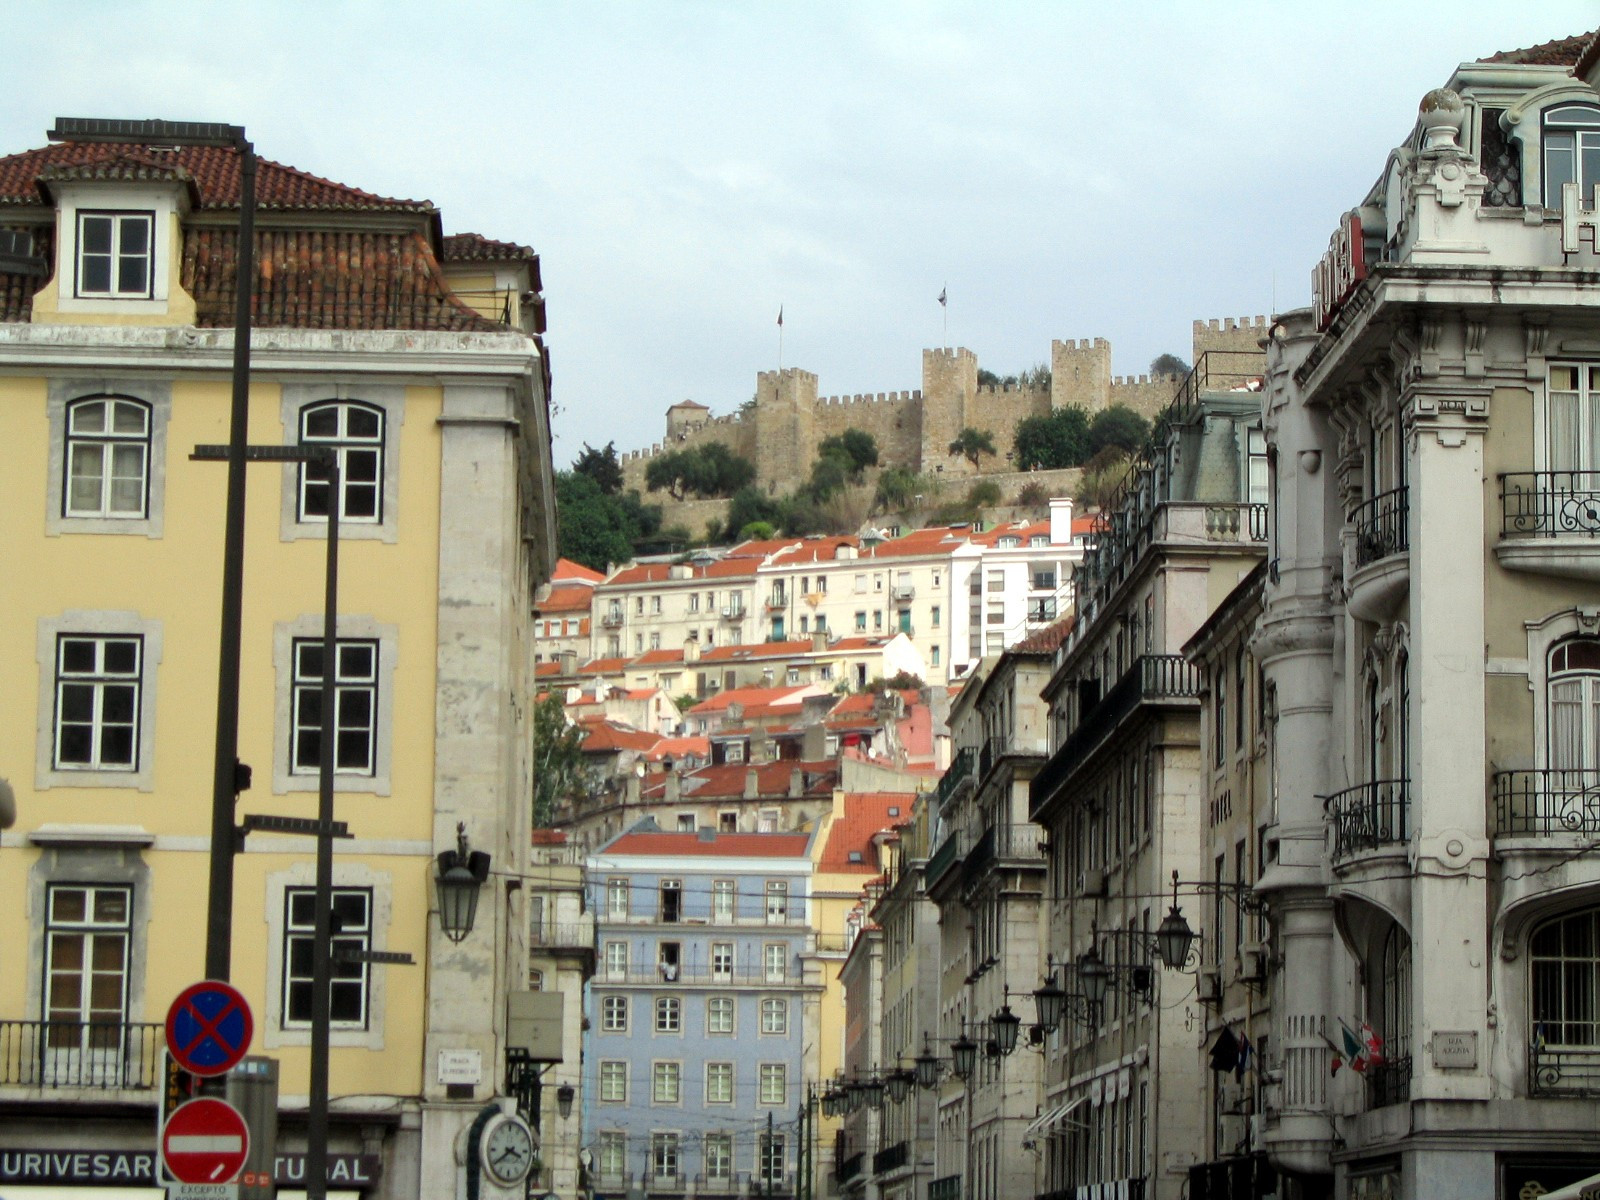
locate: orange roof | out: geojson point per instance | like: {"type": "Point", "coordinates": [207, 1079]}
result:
{"type": "Point", "coordinates": [713, 845]}
{"type": "Point", "coordinates": [549, 837]}
{"type": "Point", "coordinates": [607, 737]}
{"type": "Point", "coordinates": [603, 666]}
{"type": "Point", "coordinates": [640, 693]}
{"type": "Point", "coordinates": [727, 780]}
{"type": "Point", "coordinates": [866, 814]}
{"type": "Point", "coordinates": [862, 702]}
{"type": "Point", "coordinates": [655, 658]}
{"type": "Point", "coordinates": [1562, 52]}
{"type": "Point", "coordinates": [679, 747]}
{"type": "Point", "coordinates": [924, 541]}
{"type": "Point", "coordinates": [546, 668]}
{"type": "Point", "coordinates": [748, 696]}
{"type": "Point", "coordinates": [570, 597]}
{"type": "Point", "coordinates": [567, 570]}
{"type": "Point", "coordinates": [811, 550]}
{"type": "Point", "coordinates": [1046, 640]}
{"type": "Point", "coordinates": [864, 642]}
{"type": "Point", "coordinates": [658, 572]}
{"type": "Point", "coordinates": [756, 650]}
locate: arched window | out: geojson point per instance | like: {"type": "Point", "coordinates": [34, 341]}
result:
{"type": "Point", "coordinates": [1392, 1004]}
{"type": "Point", "coordinates": [1571, 135]}
{"type": "Point", "coordinates": [108, 458]}
{"type": "Point", "coordinates": [1574, 711]}
{"type": "Point", "coordinates": [355, 432]}
{"type": "Point", "coordinates": [1564, 958]}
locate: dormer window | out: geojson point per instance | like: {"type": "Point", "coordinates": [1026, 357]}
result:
{"type": "Point", "coordinates": [114, 254]}
{"type": "Point", "coordinates": [1571, 150]}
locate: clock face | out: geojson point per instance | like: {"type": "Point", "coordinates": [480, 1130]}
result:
{"type": "Point", "coordinates": [508, 1150]}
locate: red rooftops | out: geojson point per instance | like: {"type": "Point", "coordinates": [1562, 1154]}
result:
{"type": "Point", "coordinates": [773, 779]}
{"type": "Point", "coordinates": [849, 846]}
{"type": "Point", "coordinates": [710, 844]}
{"type": "Point", "coordinates": [1561, 52]}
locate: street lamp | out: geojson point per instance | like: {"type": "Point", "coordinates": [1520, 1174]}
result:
{"type": "Point", "coordinates": [963, 1054]}
{"type": "Point", "coordinates": [1094, 975]}
{"type": "Point", "coordinates": [1005, 1025]}
{"type": "Point", "coordinates": [898, 1084]}
{"type": "Point", "coordinates": [926, 1065]}
{"type": "Point", "coordinates": [1049, 1000]}
{"type": "Point", "coordinates": [564, 1097]}
{"type": "Point", "coordinates": [462, 872]}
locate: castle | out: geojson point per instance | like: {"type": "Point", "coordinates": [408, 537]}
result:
{"type": "Point", "coordinates": [780, 431]}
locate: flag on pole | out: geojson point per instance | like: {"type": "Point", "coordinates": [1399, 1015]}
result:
{"type": "Point", "coordinates": [1353, 1051]}
{"type": "Point", "coordinates": [780, 316]}
{"type": "Point", "coordinates": [1246, 1052]}
{"type": "Point", "coordinates": [943, 296]}
{"type": "Point", "coordinates": [1373, 1044]}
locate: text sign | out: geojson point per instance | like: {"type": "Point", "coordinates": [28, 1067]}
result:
{"type": "Point", "coordinates": [205, 1141]}
{"type": "Point", "coordinates": [1340, 270]}
{"type": "Point", "coordinates": [1455, 1049]}
{"type": "Point", "coordinates": [209, 1027]}
{"type": "Point", "coordinates": [461, 1066]}
{"type": "Point", "coordinates": [202, 1191]}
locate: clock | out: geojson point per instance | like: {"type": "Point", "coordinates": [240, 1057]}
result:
{"type": "Point", "coordinates": [506, 1150]}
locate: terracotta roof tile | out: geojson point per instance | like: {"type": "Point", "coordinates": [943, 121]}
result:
{"type": "Point", "coordinates": [713, 845]}
{"type": "Point", "coordinates": [756, 651]}
{"type": "Point", "coordinates": [566, 569]}
{"type": "Point", "coordinates": [568, 598]}
{"type": "Point", "coordinates": [727, 780]}
{"type": "Point", "coordinates": [607, 737]}
{"type": "Point", "coordinates": [474, 247]}
{"type": "Point", "coordinates": [792, 695]}
{"type": "Point", "coordinates": [866, 814]}
{"type": "Point", "coordinates": [1561, 52]}
{"type": "Point", "coordinates": [679, 747]}
{"type": "Point", "coordinates": [603, 666]}
{"type": "Point", "coordinates": [1046, 640]}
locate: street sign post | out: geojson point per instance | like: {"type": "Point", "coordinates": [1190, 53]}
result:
{"type": "Point", "coordinates": [209, 1027]}
{"type": "Point", "coordinates": [205, 1141]}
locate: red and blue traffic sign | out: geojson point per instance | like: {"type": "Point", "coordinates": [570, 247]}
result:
{"type": "Point", "coordinates": [205, 1141]}
{"type": "Point", "coordinates": [209, 1027]}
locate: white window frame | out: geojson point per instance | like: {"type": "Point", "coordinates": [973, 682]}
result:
{"type": "Point", "coordinates": [719, 1083]}
{"type": "Point", "coordinates": [107, 447]}
{"type": "Point", "coordinates": [611, 1076]}
{"type": "Point", "coordinates": [724, 902]}
{"type": "Point", "coordinates": [775, 1016]}
{"type": "Point", "coordinates": [88, 1041]}
{"type": "Point", "coordinates": [773, 1085]}
{"type": "Point", "coordinates": [348, 978]}
{"type": "Point", "coordinates": [99, 627]}
{"type": "Point", "coordinates": [775, 962]}
{"type": "Point", "coordinates": [771, 1157]}
{"type": "Point", "coordinates": [722, 958]}
{"type": "Point", "coordinates": [386, 401]}
{"type": "Point", "coordinates": [355, 689]}
{"type": "Point", "coordinates": [118, 221]}
{"type": "Point", "coordinates": [360, 458]}
{"type": "Point", "coordinates": [666, 1081]}
{"type": "Point", "coordinates": [669, 1014]}
{"type": "Point", "coordinates": [719, 1157]}
{"type": "Point", "coordinates": [666, 1155]}
{"type": "Point", "coordinates": [66, 395]}
{"type": "Point", "coordinates": [612, 1161]}
{"type": "Point", "coordinates": [98, 677]}
{"type": "Point", "coordinates": [777, 899]}
{"type": "Point", "coordinates": [616, 960]}
{"type": "Point", "coordinates": [614, 1013]}
{"type": "Point", "coordinates": [1562, 120]}
{"type": "Point", "coordinates": [618, 887]}
{"type": "Point", "coordinates": [718, 1008]}
{"type": "Point", "coordinates": [351, 628]}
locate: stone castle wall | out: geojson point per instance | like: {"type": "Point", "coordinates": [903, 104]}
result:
{"type": "Point", "coordinates": [780, 431]}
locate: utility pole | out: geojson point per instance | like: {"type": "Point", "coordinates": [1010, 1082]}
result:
{"type": "Point", "coordinates": [766, 1173]}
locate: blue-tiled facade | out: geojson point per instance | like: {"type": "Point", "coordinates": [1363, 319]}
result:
{"type": "Point", "coordinates": [698, 1012]}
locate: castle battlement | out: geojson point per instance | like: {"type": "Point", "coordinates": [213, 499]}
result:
{"type": "Point", "coordinates": [871, 398]}
{"type": "Point", "coordinates": [1086, 343]}
{"type": "Point", "coordinates": [990, 389]}
{"type": "Point", "coordinates": [1226, 324]}
{"type": "Point", "coordinates": [956, 353]}
{"type": "Point", "coordinates": [794, 373]}
{"type": "Point", "coordinates": [1142, 380]}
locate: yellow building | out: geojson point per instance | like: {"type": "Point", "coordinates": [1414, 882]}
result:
{"type": "Point", "coordinates": [418, 360]}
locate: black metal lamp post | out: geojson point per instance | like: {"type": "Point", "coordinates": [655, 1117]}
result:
{"type": "Point", "coordinates": [564, 1097]}
{"type": "Point", "coordinates": [1094, 976]}
{"type": "Point", "coordinates": [898, 1084]}
{"type": "Point", "coordinates": [462, 872]}
{"type": "Point", "coordinates": [963, 1055]}
{"type": "Point", "coordinates": [926, 1065]}
{"type": "Point", "coordinates": [1050, 1000]}
{"type": "Point", "coordinates": [1004, 1025]}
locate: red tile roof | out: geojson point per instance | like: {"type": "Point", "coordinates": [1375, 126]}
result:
{"type": "Point", "coordinates": [866, 814]}
{"type": "Point", "coordinates": [474, 247]}
{"type": "Point", "coordinates": [657, 658]}
{"type": "Point", "coordinates": [863, 702]}
{"type": "Point", "coordinates": [1046, 640]}
{"type": "Point", "coordinates": [603, 666]}
{"type": "Point", "coordinates": [679, 747]}
{"type": "Point", "coordinates": [566, 570]}
{"type": "Point", "coordinates": [931, 540]}
{"type": "Point", "coordinates": [712, 845]}
{"type": "Point", "coordinates": [757, 651]}
{"type": "Point", "coordinates": [792, 695]}
{"type": "Point", "coordinates": [608, 737]}
{"type": "Point", "coordinates": [727, 780]}
{"type": "Point", "coordinates": [546, 668]}
{"type": "Point", "coordinates": [812, 550]}
{"type": "Point", "coordinates": [1562, 52]}
{"type": "Point", "coordinates": [689, 404]}
{"type": "Point", "coordinates": [659, 572]}
{"type": "Point", "coordinates": [568, 597]}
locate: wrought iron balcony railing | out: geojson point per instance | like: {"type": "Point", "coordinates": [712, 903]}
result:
{"type": "Point", "coordinates": [1389, 1081]}
{"type": "Point", "coordinates": [563, 935]}
{"type": "Point", "coordinates": [1549, 801]}
{"type": "Point", "coordinates": [1563, 1070]}
{"type": "Point", "coordinates": [1370, 816]}
{"type": "Point", "coordinates": [890, 1158]}
{"type": "Point", "coordinates": [99, 1055]}
{"type": "Point", "coordinates": [1550, 504]}
{"type": "Point", "coordinates": [1382, 526]}
{"type": "Point", "coordinates": [960, 770]}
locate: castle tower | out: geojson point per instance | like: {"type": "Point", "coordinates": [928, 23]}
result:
{"type": "Point", "coordinates": [949, 387]}
{"type": "Point", "coordinates": [785, 427]}
{"type": "Point", "coordinates": [684, 416]}
{"type": "Point", "coordinates": [1080, 373]}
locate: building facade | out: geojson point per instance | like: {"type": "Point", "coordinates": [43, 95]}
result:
{"type": "Point", "coordinates": [116, 307]}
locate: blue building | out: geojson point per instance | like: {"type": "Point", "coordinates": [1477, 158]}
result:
{"type": "Point", "coordinates": [700, 1015]}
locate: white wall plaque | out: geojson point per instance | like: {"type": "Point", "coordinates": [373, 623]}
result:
{"type": "Point", "coordinates": [1455, 1049]}
{"type": "Point", "coordinates": [461, 1066]}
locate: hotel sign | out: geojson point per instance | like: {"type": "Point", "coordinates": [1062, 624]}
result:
{"type": "Point", "coordinates": [1340, 271]}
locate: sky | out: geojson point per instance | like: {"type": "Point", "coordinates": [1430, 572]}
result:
{"type": "Point", "coordinates": [686, 169]}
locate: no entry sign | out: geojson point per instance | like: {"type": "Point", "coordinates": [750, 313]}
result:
{"type": "Point", "coordinates": [205, 1141]}
{"type": "Point", "coordinates": [209, 1027]}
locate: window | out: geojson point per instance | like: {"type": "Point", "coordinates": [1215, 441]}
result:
{"type": "Point", "coordinates": [617, 898]}
{"type": "Point", "coordinates": [613, 1082]}
{"type": "Point", "coordinates": [861, 621]}
{"type": "Point", "coordinates": [638, 606]}
{"type": "Point", "coordinates": [671, 901]}
{"type": "Point", "coordinates": [613, 1158]}
{"type": "Point", "coordinates": [1392, 1004]}
{"type": "Point", "coordinates": [719, 1015]}
{"type": "Point", "coordinates": [1572, 424]}
{"type": "Point", "coordinates": [1219, 716]}
{"type": "Point", "coordinates": [719, 1156]}
{"type": "Point", "coordinates": [1571, 150]}
{"type": "Point", "coordinates": [877, 618]}
{"type": "Point", "coordinates": [805, 624]}
{"type": "Point", "coordinates": [775, 956]}
{"type": "Point", "coordinates": [352, 918]}
{"type": "Point", "coordinates": [774, 1015]}
{"type": "Point", "coordinates": [666, 1080]}
{"type": "Point", "coordinates": [822, 622]}
{"type": "Point", "coordinates": [614, 1014]}
{"type": "Point", "coordinates": [1574, 722]}
{"type": "Point", "coordinates": [97, 703]}
{"type": "Point", "coordinates": [655, 605]}
{"type": "Point", "coordinates": [937, 616]}
{"type": "Point", "coordinates": [1240, 678]}
{"type": "Point", "coordinates": [861, 583]}
{"type": "Point", "coordinates": [770, 1157]}
{"type": "Point", "coordinates": [777, 901]}
{"type": "Point", "coordinates": [1564, 958]}
{"type": "Point", "coordinates": [935, 659]}
{"type": "Point", "coordinates": [638, 643]}
{"type": "Point", "coordinates": [616, 960]}
{"type": "Point", "coordinates": [355, 433]}
{"type": "Point", "coordinates": [107, 458]}
{"type": "Point", "coordinates": [669, 1014]}
{"type": "Point", "coordinates": [355, 707]}
{"type": "Point", "coordinates": [664, 1153]}
{"type": "Point", "coordinates": [668, 957]}
{"type": "Point", "coordinates": [655, 639]}
{"type": "Point", "coordinates": [87, 935]}
{"type": "Point", "coordinates": [719, 1083]}
{"type": "Point", "coordinates": [114, 254]}
{"type": "Point", "coordinates": [1258, 487]}
{"type": "Point", "coordinates": [774, 1083]}
{"type": "Point", "coordinates": [722, 960]}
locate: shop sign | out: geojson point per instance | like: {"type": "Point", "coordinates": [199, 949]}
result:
{"type": "Point", "coordinates": [1339, 272]}
{"type": "Point", "coordinates": [136, 1168]}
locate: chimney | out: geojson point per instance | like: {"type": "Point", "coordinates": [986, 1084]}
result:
{"type": "Point", "coordinates": [760, 745]}
{"type": "Point", "coordinates": [569, 662]}
{"type": "Point", "coordinates": [674, 788]}
{"type": "Point", "coordinates": [814, 742]}
{"type": "Point", "coordinates": [752, 784]}
{"type": "Point", "coordinates": [797, 783]}
{"type": "Point", "coordinates": [819, 642]}
{"type": "Point", "coordinates": [691, 650]}
{"type": "Point", "coordinates": [630, 788]}
{"type": "Point", "coordinates": [1060, 520]}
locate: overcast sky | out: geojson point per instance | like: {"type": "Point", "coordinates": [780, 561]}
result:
{"type": "Point", "coordinates": [1068, 169]}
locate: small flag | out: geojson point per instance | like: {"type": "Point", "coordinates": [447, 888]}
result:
{"type": "Point", "coordinates": [1246, 1051]}
{"type": "Point", "coordinates": [943, 295]}
{"type": "Point", "coordinates": [1352, 1049]}
{"type": "Point", "coordinates": [1538, 1036]}
{"type": "Point", "coordinates": [780, 316]}
{"type": "Point", "coordinates": [1336, 1062]}
{"type": "Point", "coordinates": [1373, 1043]}
{"type": "Point", "coordinates": [1225, 1051]}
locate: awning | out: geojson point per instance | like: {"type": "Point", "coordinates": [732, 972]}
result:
{"type": "Point", "coordinates": [1053, 1117]}
{"type": "Point", "coordinates": [1584, 1189]}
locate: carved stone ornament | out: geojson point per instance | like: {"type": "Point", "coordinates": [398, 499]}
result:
{"type": "Point", "coordinates": [1442, 114]}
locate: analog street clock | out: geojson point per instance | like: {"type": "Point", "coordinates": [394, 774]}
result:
{"type": "Point", "coordinates": [506, 1149]}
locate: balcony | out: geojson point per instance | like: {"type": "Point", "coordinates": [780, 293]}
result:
{"type": "Point", "coordinates": [947, 1187]}
{"type": "Point", "coordinates": [850, 1167]}
{"type": "Point", "coordinates": [777, 602]}
{"type": "Point", "coordinates": [1156, 680]}
{"type": "Point", "coordinates": [92, 1055]}
{"type": "Point", "coordinates": [1546, 802]}
{"type": "Point", "coordinates": [960, 771]}
{"type": "Point", "coordinates": [612, 620]}
{"type": "Point", "coordinates": [1370, 816]}
{"type": "Point", "coordinates": [1004, 844]}
{"type": "Point", "coordinates": [904, 591]}
{"type": "Point", "coordinates": [664, 1183]}
{"type": "Point", "coordinates": [563, 935]}
{"type": "Point", "coordinates": [890, 1158]}
{"type": "Point", "coordinates": [1550, 523]}
{"type": "Point", "coordinates": [946, 856]}
{"type": "Point", "coordinates": [1381, 575]}
{"type": "Point", "coordinates": [734, 612]}
{"type": "Point", "coordinates": [1389, 1081]}
{"type": "Point", "coordinates": [1560, 1071]}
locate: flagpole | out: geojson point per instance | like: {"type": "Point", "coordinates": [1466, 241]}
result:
{"type": "Point", "coordinates": [944, 307]}
{"type": "Point", "coordinates": [780, 339]}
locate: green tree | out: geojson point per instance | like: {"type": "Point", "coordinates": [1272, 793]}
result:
{"type": "Point", "coordinates": [856, 445]}
{"type": "Point", "coordinates": [601, 466]}
{"type": "Point", "coordinates": [756, 531]}
{"type": "Point", "coordinates": [1049, 441]}
{"type": "Point", "coordinates": [983, 493]}
{"type": "Point", "coordinates": [898, 489]}
{"type": "Point", "coordinates": [1117, 426]}
{"type": "Point", "coordinates": [751, 506]}
{"type": "Point", "coordinates": [592, 528]}
{"type": "Point", "coordinates": [560, 775]}
{"type": "Point", "coordinates": [709, 470]}
{"type": "Point", "coordinates": [1168, 364]}
{"type": "Point", "coordinates": [971, 444]}
{"type": "Point", "coordinates": [1038, 376]}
